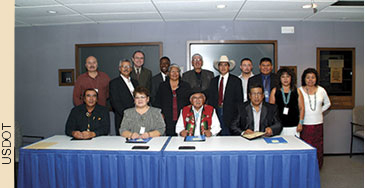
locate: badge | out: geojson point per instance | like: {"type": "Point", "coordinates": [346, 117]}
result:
{"type": "Point", "coordinates": [141, 131]}
{"type": "Point", "coordinates": [286, 111]}
{"type": "Point", "coordinates": [187, 119]}
{"type": "Point", "coordinates": [266, 94]}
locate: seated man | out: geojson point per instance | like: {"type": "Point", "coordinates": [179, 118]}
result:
{"type": "Point", "coordinates": [88, 120]}
{"type": "Point", "coordinates": [198, 118]}
{"type": "Point", "coordinates": [256, 115]}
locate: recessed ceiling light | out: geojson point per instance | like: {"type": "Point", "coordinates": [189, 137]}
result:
{"type": "Point", "coordinates": [221, 6]}
{"type": "Point", "coordinates": [52, 12]}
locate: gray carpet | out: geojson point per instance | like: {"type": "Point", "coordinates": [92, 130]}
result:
{"type": "Point", "coordinates": [342, 172]}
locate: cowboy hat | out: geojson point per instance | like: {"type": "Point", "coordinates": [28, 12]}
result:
{"type": "Point", "coordinates": [224, 58]}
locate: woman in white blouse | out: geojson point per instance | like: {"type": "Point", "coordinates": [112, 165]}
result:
{"type": "Point", "coordinates": [316, 101]}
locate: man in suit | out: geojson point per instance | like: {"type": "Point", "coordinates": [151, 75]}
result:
{"type": "Point", "coordinates": [160, 77]}
{"type": "Point", "coordinates": [266, 78]}
{"type": "Point", "coordinates": [224, 93]}
{"type": "Point", "coordinates": [140, 73]}
{"type": "Point", "coordinates": [198, 78]}
{"type": "Point", "coordinates": [246, 73]}
{"type": "Point", "coordinates": [256, 115]}
{"type": "Point", "coordinates": [121, 92]}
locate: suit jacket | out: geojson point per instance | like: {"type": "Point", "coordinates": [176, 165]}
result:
{"type": "Point", "coordinates": [274, 81]}
{"type": "Point", "coordinates": [233, 95]}
{"type": "Point", "coordinates": [190, 77]}
{"type": "Point", "coordinates": [120, 99]}
{"type": "Point", "coordinates": [268, 118]}
{"type": "Point", "coordinates": [156, 81]}
{"type": "Point", "coordinates": [144, 77]}
{"type": "Point", "coordinates": [164, 101]}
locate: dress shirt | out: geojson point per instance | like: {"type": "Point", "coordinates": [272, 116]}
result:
{"type": "Point", "coordinates": [244, 86]}
{"type": "Point", "coordinates": [215, 127]}
{"type": "Point", "coordinates": [163, 76]}
{"type": "Point", "coordinates": [129, 83]}
{"type": "Point", "coordinates": [256, 117]}
{"type": "Point", "coordinates": [225, 80]}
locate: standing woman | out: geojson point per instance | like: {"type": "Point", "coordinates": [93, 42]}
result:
{"type": "Point", "coordinates": [289, 101]}
{"type": "Point", "coordinates": [316, 101]}
{"type": "Point", "coordinates": [172, 96]}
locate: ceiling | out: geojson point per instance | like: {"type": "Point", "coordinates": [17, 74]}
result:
{"type": "Point", "coordinates": [36, 12]}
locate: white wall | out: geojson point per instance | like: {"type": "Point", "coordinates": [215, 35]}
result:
{"type": "Point", "coordinates": [42, 107]}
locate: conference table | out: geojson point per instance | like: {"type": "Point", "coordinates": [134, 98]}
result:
{"type": "Point", "coordinates": [108, 161]}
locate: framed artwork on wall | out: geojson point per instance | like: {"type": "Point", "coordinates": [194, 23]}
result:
{"type": "Point", "coordinates": [66, 77]}
{"type": "Point", "coordinates": [336, 68]}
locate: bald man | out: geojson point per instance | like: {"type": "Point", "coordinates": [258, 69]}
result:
{"type": "Point", "coordinates": [91, 79]}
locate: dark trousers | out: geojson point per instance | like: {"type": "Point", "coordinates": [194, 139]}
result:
{"type": "Point", "coordinates": [225, 130]}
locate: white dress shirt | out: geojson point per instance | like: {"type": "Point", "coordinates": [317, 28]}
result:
{"type": "Point", "coordinates": [129, 83]}
{"type": "Point", "coordinates": [163, 77]}
{"type": "Point", "coordinates": [214, 129]}
{"type": "Point", "coordinates": [244, 86]}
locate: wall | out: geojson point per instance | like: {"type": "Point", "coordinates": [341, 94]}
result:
{"type": "Point", "coordinates": [42, 107]}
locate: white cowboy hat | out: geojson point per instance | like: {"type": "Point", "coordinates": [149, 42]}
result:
{"type": "Point", "coordinates": [224, 58]}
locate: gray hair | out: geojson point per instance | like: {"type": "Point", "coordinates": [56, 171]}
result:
{"type": "Point", "coordinates": [197, 54]}
{"type": "Point", "coordinates": [124, 60]}
{"type": "Point", "coordinates": [174, 66]}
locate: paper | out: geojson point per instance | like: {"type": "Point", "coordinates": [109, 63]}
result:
{"type": "Point", "coordinates": [253, 135]}
{"type": "Point", "coordinates": [195, 138]}
{"type": "Point", "coordinates": [286, 111]}
{"type": "Point", "coordinates": [138, 140]}
{"type": "Point", "coordinates": [336, 63]}
{"type": "Point", "coordinates": [41, 145]}
{"type": "Point", "coordinates": [275, 140]}
{"type": "Point", "coordinates": [336, 75]}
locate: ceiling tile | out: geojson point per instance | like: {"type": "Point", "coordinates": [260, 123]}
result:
{"type": "Point", "coordinates": [41, 11]}
{"type": "Point", "coordinates": [99, 1]}
{"type": "Point", "coordinates": [35, 2]}
{"type": "Point", "coordinates": [113, 8]}
{"type": "Point", "coordinates": [199, 6]}
{"type": "Point", "coordinates": [125, 17]}
{"type": "Point", "coordinates": [171, 16]}
{"type": "Point", "coordinates": [71, 19]}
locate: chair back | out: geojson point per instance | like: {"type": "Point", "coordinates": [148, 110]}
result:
{"type": "Point", "coordinates": [358, 118]}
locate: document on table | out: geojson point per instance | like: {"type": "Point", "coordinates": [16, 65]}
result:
{"type": "Point", "coordinates": [275, 140]}
{"type": "Point", "coordinates": [199, 138]}
{"type": "Point", "coordinates": [253, 135]}
{"type": "Point", "coordinates": [41, 145]}
{"type": "Point", "coordinates": [138, 140]}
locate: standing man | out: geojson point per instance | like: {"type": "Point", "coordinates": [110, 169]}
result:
{"type": "Point", "coordinates": [121, 92]}
{"type": "Point", "coordinates": [266, 78]}
{"type": "Point", "coordinates": [246, 73]}
{"type": "Point", "coordinates": [91, 79]}
{"type": "Point", "coordinates": [224, 93]}
{"type": "Point", "coordinates": [198, 78]}
{"type": "Point", "coordinates": [160, 77]}
{"type": "Point", "coordinates": [256, 115]}
{"type": "Point", "coordinates": [139, 73]}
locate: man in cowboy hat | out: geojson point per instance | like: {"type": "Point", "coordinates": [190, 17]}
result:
{"type": "Point", "coordinates": [266, 78]}
{"type": "Point", "coordinates": [197, 118]}
{"type": "Point", "coordinates": [225, 93]}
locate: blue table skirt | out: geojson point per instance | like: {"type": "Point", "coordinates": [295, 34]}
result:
{"type": "Point", "coordinates": [70, 168]}
{"type": "Point", "coordinates": [241, 169]}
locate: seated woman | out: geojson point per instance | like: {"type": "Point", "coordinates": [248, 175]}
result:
{"type": "Point", "coordinates": [142, 121]}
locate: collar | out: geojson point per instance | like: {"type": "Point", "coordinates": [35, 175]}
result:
{"type": "Point", "coordinates": [225, 76]}
{"type": "Point", "coordinates": [125, 79]}
{"type": "Point", "coordinates": [240, 76]}
{"type": "Point", "coordinates": [253, 108]}
{"type": "Point", "coordinates": [199, 111]}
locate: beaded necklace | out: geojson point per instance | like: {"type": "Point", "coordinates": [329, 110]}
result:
{"type": "Point", "coordinates": [310, 101]}
{"type": "Point", "coordinates": [285, 100]}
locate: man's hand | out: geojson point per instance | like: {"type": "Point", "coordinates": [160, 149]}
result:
{"type": "Point", "coordinates": [268, 131]}
{"type": "Point", "coordinates": [248, 131]}
{"type": "Point", "coordinates": [208, 133]}
{"type": "Point", "coordinates": [134, 135]}
{"type": "Point", "coordinates": [88, 134]}
{"type": "Point", "coordinates": [145, 135]}
{"type": "Point", "coordinates": [299, 128]}
{"type": "Point", "coordinates": [77, 135]}
{"type": "Point", "coordinates": [184, 133]}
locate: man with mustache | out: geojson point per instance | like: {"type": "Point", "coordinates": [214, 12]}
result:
{"type": "Point", "coordinates": [121, 92]}
{"type": "Point", "coordinates": [91, 79]}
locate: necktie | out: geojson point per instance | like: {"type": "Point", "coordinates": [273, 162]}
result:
{"type": "Point", "coordinates": [138, 74]}
{"type": "Point", "coordinates": [220, 93]}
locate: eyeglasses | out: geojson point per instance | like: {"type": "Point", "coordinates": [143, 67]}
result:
{"type": "Point", "coordinates": [256, 94]}
{"type": "Point", "coordinates": [140, 97]}
{"type": "Point", "coordinates": [126, 66]}
{"type": "Point", "coordinates": [197, 98]}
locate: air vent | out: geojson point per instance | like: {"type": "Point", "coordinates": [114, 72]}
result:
{"type": "Point", "coordinates": [348, 3]}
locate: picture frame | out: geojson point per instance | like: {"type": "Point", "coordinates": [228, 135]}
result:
{"type": "Point", "coordinates": [336, 69]}
{"type": "Point", "coordinates": [66, 77]}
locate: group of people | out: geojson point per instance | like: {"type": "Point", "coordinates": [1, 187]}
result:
{"type": "Point", "coordinates": [197, 103]}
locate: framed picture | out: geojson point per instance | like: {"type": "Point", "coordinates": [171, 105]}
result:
{"type": "Point", "coordinates": [336, 68]}
{"type": "Point", "coordinates": [66, 77]}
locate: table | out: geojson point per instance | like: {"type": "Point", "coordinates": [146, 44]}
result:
{"type": "Point", "coordinates": [105, 161]}
{"type": "Point", "coordinates": [236, 162]}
